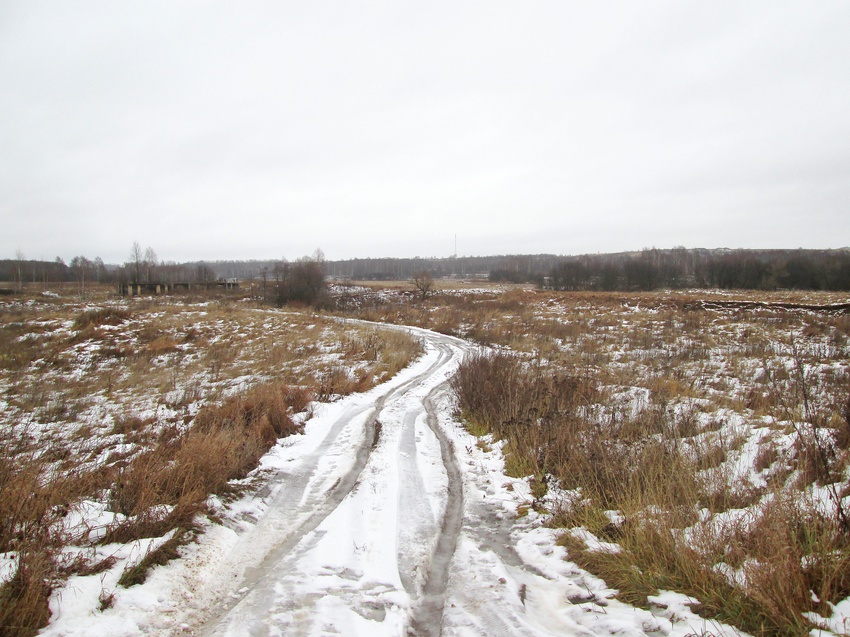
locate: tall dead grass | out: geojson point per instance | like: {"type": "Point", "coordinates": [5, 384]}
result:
{"type": "Point", "coordinates": [34, 497]}
{"type": "Point", "coordinates": [535, 408]}
{"type": "Point", "coordinates": [158, 491]}
{"type": "Point", "coordinates": [185, 467]}
{"type": "Point", "coordinates": [669, 489]}
{"type": "Point", "coordinates": [772, 366]}
{"type": "Point", "coordinates": [156, 472]}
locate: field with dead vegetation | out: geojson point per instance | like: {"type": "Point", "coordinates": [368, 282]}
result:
{"type": "Point", "coordinates": [121, 421]}
{"type": "Point", "coordinates": [694, 442]}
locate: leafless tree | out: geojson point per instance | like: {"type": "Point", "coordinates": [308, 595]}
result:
{"type": "Point", "coordinates": [136, 260]}
{"type": "Point", "coordinates": [19, 267]}
{"type": "Point", "coordinates": [424, 282]}
{"type": "Point", "coordinates": [150, 263]}
{"type": "Point", "coordinates": [99, 268]}
{"type": "Point", "coordinates": [264, 275]}
{"type": "Point", "coordinates": [83, 272]}
{"type": "Point", "coordinates": [302, 281]}
{"type": "Point", "coordinates": [204, 273]}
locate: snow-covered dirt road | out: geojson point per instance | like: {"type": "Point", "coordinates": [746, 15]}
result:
{"type": "Point", "coordinates": [364, 521]}
{"type": "Point", "coordinates": [385, 518]}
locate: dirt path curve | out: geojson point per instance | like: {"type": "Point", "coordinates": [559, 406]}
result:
{"type": "Point", "coordinates": [354, 521]}
{"type": "Point", "coordinates": [384, 519]}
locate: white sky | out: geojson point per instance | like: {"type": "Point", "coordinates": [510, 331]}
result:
{"type": "Point", "coordinates": [265, 129]}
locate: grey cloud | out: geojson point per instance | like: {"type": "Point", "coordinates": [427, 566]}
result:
{"type": "Point", "coordinates": [263, 129]}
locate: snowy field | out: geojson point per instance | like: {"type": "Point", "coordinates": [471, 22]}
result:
{"type": "Point", "coordinates": [381, 514]}
{"type": "Point", "coordinates": [383, 518]}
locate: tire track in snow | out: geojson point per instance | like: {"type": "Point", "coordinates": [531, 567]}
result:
{"type": "Point", "coordinates": [414, 533]}
{"type": "Point", "coordinates": [417, 525]}
{"type": "Point", "coordinates": [427, 612]}
{"type": "Point", "coordinates": [302, 504]}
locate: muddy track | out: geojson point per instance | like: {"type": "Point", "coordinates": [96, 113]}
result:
{"type": "Point", "coordinates": [427, 612]}
{"type": "Point", "coordinates": [305, 500]}
{"type": "Point", "coordinates": [387, 519]}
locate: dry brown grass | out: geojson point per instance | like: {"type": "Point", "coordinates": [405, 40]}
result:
{"type": "Point", "coordinates": [24, 607]}
{"type": "Point", "coordinates": [34, 497]}
{"type": "Point", "coordinates": [156, 404]}
{"type": "Point", "coordinates": [667, 467]}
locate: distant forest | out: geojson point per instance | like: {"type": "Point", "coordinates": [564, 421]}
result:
{"type": "Point", "coordinates": [648, 269]}
{"type": "Point", "coordinates": [723, 269]}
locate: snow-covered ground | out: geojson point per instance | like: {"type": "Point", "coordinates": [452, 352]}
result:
{"type": "Point", "coordinates": [383, 518]}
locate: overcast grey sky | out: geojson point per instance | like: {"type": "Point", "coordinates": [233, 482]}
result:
{"type": "Point", "coordinates": [255, 129]}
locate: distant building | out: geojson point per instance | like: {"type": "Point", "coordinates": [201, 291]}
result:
{"type": "Point", "coordinates": [157, 288]}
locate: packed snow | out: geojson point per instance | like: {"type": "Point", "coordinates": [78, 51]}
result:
{"type": "Point", "coordinates": [383, 518]}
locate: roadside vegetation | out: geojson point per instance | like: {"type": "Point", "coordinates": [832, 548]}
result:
{"type": "Point", "coordinates": [126, 422]}
{"type": "Point", "coordinates": [690, 442]}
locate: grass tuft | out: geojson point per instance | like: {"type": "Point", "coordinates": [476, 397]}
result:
{"type": "Point", "coordinates": [161, 555]}
{"type": "Point", "coordinates": [24, 607]}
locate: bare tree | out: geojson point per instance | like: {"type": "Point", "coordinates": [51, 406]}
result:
{"type": "Point", "coordinates": [264, 274]}
{"type": "Point", "coordinates": [19, 265]}
{"type": "Point", "coordinates": [302, 281]}
{"type": "Point", "coordinates": [204, 273]}
{"type": "Point", "coordinates": [150, 263]}
{"type": "Point", "coordinates": [99, 268]}
{"type": "Point", "coordinates": [83, 271]}
{"type": "Point", "coordinates": [424, 282]}
{"type": "Point", "coordinates": [136, 260]}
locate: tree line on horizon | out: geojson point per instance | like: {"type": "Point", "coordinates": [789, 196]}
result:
{"type": "Point", "coordinates": [681, 268]}
{"type": "Point", "coordinates": [281, 281]}
{"type": "Point", "coordinates": [646, 270]}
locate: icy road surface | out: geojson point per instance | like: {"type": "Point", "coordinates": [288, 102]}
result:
{"type": "Point", "coordinates": [384, 518]}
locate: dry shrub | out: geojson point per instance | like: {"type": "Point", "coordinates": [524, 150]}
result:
{"type": "Point", "coordinates": [150, 330]}
{"type": "Point", "coordinates": [217, 356]}
{"type": "Point", "coordinates": [710, 456]}
{"type": "Point", "coordinates": [767, 454]}
{"type": "Point", "coordinates": [483, 386]}
{"type": "Point", "coordinates": [397, 351]}
{"type": "Point", "coordinates": [297, 398]}
{"type": "Point", "coordinates": [638, 465]}
{"type": "Point", "coordinates": [786, 554]}
{"type": "Point", "coordinates": [447, 321]}
{"type": "Point", "coordinates": [724, 494]}
{"type": "Point", "coordinates": [386, 352]}
{"type": "Point", "coordinates": [84, 566]}
{"type": "Point", "coordinates": [538, 411]}
{"type": "Point", "coordinates": [759, 401]}
{"type": "Point", "coordinates": [817, 462]}
{"type": "Point", "coordinates": [787, 550]}
{"type": "Point", "coordinates": [162, 481]}
{"type": "Point", "coordinates": [130, 425]}
{"type": "Point", "coordinates": [518, 462]}
{"type": "Point", "coordinates": [335, 381]}
{"type": "Point", "coordinates": [842, 436]}
{"type": "Point", "coordinates": [34, 497]}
